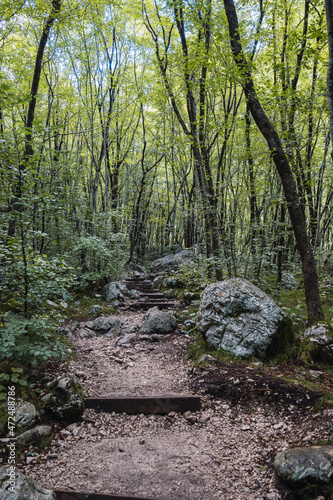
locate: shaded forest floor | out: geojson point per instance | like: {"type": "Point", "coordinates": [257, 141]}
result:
{"type": "Point", "coordinates": [225, 451]}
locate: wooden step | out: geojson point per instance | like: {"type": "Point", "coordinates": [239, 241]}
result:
{"type": "Point", "coordinates": [136, 280]}
{"type": "Point", "coordinates": [160, 305]}
{"type": "Point", "coordinates": [138, 287]}
{"type": "Point", "coordinates": [161, 405]}
{"type": "Point", "coordinates": [153, 295]}
{"type": "Point", "coordinates": [71, 495]}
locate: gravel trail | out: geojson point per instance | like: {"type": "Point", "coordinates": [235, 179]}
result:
{"type": "Point", "coordinates": [225, 451]}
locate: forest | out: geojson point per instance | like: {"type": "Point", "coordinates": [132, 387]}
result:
{"type": "Point", "coordinates": [130, 130]}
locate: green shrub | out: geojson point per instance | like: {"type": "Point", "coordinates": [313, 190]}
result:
{"type": "Point", "coordinates": [29, 341]}
{"type": "Point", "coordinates": [192, 276]}
{"type": "Point", "coordinates": [97, 260]}
{"type": "Point", "coordinates": [28, 282]}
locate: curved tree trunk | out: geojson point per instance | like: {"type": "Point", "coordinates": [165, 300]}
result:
{"type": "Point", "coordinates": [314, 308]}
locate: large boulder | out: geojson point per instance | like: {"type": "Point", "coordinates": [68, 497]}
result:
{"type": "Point", "coordinates": [15, 486]}
{"type": "Point", "coordinates": [108, 325]}
{"type": "Point", "coordinates": [170, 263]}
{"type": "Point", "coordinates": [158, 322]}
{"type": "Point", "coordinates": [318, 340]}
{"type": "Point", "coordinates": [66, 401]}
{"type": "Point", "coordinates": [298, 466]}
{"type": "Point", "coordinates": [133, 270]}
{"type": "Point", "coordinates": [238, 317]}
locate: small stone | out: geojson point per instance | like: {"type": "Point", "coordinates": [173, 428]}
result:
{"type": "Point", "coordinates": [129, 338]}
{"type": "Point", "coordinates": [192, 419]}
{"type": "Point", "coordinates": [52, 304]}
{"type": "Point", "coordinates": [315, 373]}
{"type": "Point", "coordinates": [95, 310]}
{"type": "Point", "coordinates": [246, 428]}
{"type": "Point", "coordinates": [207, 358]}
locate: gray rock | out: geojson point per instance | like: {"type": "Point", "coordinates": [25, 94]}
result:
{"type": "Point", "coordinates": [130, 329]}
{"type": "Point", "coordinates": [288, 282]}
{"type": "Point", "coordinates": [156, 321]}
{"type": "Point", "coordinates": [151, 312]}
{"type": "Point", "coordinates": [133, 270]}
{"type": "Point", "coordinates": [109, 325]}
{"type": "Point", "coordinates": [25, 414]}
{"type": "Point", "coordinates": [320, 340]}
{"type": "Point", "coordinates": [65, 331]}
{"type": "Point", "coordinates": [157, 281]}
{"type": "Point", "coordinates": [66, 401]}
{"type": "Point", "coordinates": [240, 318]}
{"type": "Point", "coordinates": [95, 310]}
{"type": "Point", "coordinates": [207, 358]}
{"type": "Point", "coordinates": [52, 304]}
{"type": "Point", "coordinates": [15, 486]}
{"type": "Point", "coordinates": [144, 337]}
{"type": "Point", "coordinates": [188, 326]}
{"type": "Point", "coordinates": [155, 337]}
{"type": "Point", "coordinates": [172, 262]}
{"type": "Point", "coordinates": [114, 291]}
{"type": "Point", "coordinates": [133, 294]}
{"type": "Point", "coordinates": [129, 338]}
{"type": "Point", "coordinates": [38, 436]}
{"type": "Point", "coordinates": [116, 304]}
{"type": "Point", "coordinates": [188, 297]}
{"type": "Point", "coordinates": [297, 466]}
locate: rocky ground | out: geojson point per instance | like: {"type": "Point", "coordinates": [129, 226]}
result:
{"type": "Point", "coordinates": [224, 451]}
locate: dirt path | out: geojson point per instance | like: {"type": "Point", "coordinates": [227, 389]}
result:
{"type": "Point", "coordinates": [225, 451]}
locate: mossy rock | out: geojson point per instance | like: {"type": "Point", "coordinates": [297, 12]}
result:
{"type": "Point", "coordinates": [39, 437]}
{"type": "Point", "coordinates": [317, 343]}
{"type": "Point", "coordinates": [66, 401]}
{"type": "Point", "coordinates": [282, 339]}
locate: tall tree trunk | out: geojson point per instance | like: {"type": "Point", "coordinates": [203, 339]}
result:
{"type": "Point", "coordinates": [329, 21]}
{"type": "Point", "coordinates": [28, 149]}
{"type": "Point", "coordinates": [314, 308]}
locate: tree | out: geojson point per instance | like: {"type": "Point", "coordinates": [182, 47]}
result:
{"type": "Point", "coordinates": [329, 21]}
{"type": "Point", "coordinates": [29, 120]}
{"type": "Point", "coordinates": [314, 308]}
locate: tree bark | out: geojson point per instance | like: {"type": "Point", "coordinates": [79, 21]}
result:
{"type": "Point", "coordinates": [314, 308]}
{"type": "Point", "coordinates": [329, 21]}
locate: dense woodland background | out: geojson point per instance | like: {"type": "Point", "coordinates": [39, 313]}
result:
{"type": "Point", "coordinates": [126, 132]}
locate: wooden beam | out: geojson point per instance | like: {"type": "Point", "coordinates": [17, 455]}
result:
{"type": "Point", "coordinates": [71, 495]}
{"type": "Point", "coordinates": [147, 405]}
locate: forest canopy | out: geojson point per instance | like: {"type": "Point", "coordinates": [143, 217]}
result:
{"type": "Point", "coordinates": [129, 131]}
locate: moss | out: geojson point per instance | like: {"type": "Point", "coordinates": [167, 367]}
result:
{"type": "Point", "coordinates": [282, 340]}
